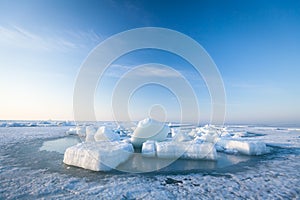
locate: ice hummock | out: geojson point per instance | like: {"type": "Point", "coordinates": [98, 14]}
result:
{"type": "Point", "coordinates": [201, 143]}
{"type": "Point", "coordinates": [252, 148]}
{"type": "Point", "coordinates": [173, 150]}
{"type": "Point", "coordinates": [106, 134]}
{"type": "Point", "coordinates": [78, 130]}
{"type": "Point", "coordinates": [98, 156]}
{"type": "Point", "coordinates": [149, 129]}
{"type": "Point", "coordinates": [48, 123]}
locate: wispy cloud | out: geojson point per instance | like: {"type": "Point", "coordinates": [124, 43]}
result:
{"type": "Point", "coordinates": [117, 71]}
{"type": "Point", "coordinates": [19, 37]}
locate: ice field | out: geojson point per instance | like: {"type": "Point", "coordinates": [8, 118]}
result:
{"type": "Point", "coordinates": [245, 162]}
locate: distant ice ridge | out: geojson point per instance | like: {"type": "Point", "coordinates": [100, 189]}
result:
{"type": "Point", "coordinates": [37, 124]}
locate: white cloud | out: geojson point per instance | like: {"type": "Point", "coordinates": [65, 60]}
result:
{"type": "Point", "coordinates": [18, 37]}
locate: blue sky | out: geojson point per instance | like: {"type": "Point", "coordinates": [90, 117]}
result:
{"type": "Point", "coordinates": [255, 45]}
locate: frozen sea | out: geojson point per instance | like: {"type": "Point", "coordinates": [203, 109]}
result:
{"type": "Point", "coordinates": [31, 167]}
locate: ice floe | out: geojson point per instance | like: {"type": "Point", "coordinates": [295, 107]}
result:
{"type": "Point", "coordinates": [243, 147]}
{"type": "Point", "coordinates": [186, 150]}
{"type": "Point", "coordinates": [174, 150]}
{"type": "Point", "coordinates": [98, 156]}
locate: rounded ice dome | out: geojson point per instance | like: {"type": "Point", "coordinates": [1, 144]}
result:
{"type": "Point", "coordinates": [149, 129]}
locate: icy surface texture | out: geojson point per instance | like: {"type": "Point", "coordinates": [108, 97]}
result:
{"type": "Point", "coordinates": [186, 150]}
{"type": "Point", "coordinates": [173, 150]}
{"type": "Point", "coordinates": [98, 156]}
{"type": "Point", "coordinates": [252, 148]}
{"type": "Point", "coordinates": [29, 174]}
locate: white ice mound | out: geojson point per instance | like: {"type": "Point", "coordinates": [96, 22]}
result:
{"type": "Point", "coordinates": [149, 129]}
{"type": "Point", "coordinates": [98, 156]}
{"type": "Point", "coordinates": [105, 134]}
{"type": "Point", "coordinates": [243, 147]}
{"type": "Point", "coordinates": [80, 131]}
{"type": "Point", "coordinates": [181, 137]}
{"type": "Point", "coordinates": [208, 137]}
{"type": "Point", "coordinates": [186, 150]}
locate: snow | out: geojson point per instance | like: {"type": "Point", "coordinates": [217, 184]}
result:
{"type": "Point", "coordinates": [98, 156]}
{"type": "Point", "coordinates": [149, 129]}
{"type": "Point", "coordinates": [105, 134]}
{"type": "Point", "coordinates": [32, 174]}
{"type": "Point", "coordinates": [20, 134]}
{"type": "Point", "coordinates": [186, 150]}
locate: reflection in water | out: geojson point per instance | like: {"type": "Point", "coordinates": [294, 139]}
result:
{"type": "Point", "coordinates": [138, 163]}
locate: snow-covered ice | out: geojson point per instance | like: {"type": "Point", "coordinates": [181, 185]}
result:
{"type": "Point", "coordinates": [243, 147]}
{"type": "Point", "coordinates": [175, 150]}
{"type": "Point", "coordinates": [186, 150]}
{"type": "Point", "coordinates": [98, 156]}
{"type": "Point", "coordinates": [29, 172]}
{"type": "Point", "coordinates": [36, 123]}
{"type": "Point", "coordinates": [78, 130]}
